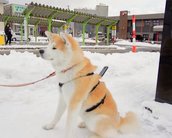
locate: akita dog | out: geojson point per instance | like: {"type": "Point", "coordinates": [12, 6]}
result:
{"type": "Point", "coordinates": [82, 92]}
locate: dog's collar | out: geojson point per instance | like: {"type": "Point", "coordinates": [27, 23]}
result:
{"type": "Point", "coordinates": [65, 70]}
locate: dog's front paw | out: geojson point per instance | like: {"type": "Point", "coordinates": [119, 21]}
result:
{"type": "Point", "coordinates": [48, 126]}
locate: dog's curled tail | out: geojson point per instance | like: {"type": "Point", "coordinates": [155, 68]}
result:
{"type": "Point", "coordinates": [129, 123]}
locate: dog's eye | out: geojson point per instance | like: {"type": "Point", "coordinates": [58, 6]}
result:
{"type": "Point", "coordinates": [53, 48]}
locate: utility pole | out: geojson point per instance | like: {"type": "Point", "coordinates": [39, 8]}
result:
{"type": "Point", "coordinates": [164, 83]}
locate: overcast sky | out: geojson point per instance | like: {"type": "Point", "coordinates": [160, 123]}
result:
{"type": "Point", "coordinates": [115, 6]}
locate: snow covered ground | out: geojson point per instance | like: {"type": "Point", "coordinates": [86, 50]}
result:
{"type": "Point", "coordinates": [131, 78]}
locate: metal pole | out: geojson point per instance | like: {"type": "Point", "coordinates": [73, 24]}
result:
{"type": "Point", "coordinates": [21, 31]}
{"type": "Point", "coordinates": [83, 30]}
{"type": "Point", "coordinates": [26, 18]}
{"type": "Point", "coordinates": [134, 28]}
{"type": "Point", "coordinates": [49, 24]}
{"type": "Point", "coordinates": [35, 32]}
{"type": "Point", "coordinates": [108, 31]}
{"type": "Point", "coordinates": [97, 29]}
{"type": "Point", "coordinates": [26, 27]}
{"type": "Point", "coordinates": [164, 83]}
{"type": "Point", "coordinates": [83, 33]}
{"type": "Point", "coordinates": [134, 32]}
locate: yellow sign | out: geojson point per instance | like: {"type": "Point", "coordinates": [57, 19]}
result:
{"type": "Point", "coordinates": [65, 27]}
{"type": "Point", "coordinates": [2, 40]}
{"type": "Point", "coordinates": [114, 27]}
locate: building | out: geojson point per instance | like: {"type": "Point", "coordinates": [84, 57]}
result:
{"type": "Point", "coordinates": [17, 10]}
{"type": "Point", "coordinates": [100, 10]}
{"type": "Point", "coordinates": [149, 26]}
{"type": "Point", "coordinates": [2, 3]}
{"type": "Point", "coordinates": [123, 25]}
{"type": "Point", "coordinates": [14, 9]}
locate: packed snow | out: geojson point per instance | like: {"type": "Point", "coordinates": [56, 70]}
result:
{"type": "Point", "coordinates": [131, 78]}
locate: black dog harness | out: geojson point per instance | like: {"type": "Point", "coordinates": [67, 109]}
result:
{"type": "Point", "coordinates": [89, 74]}
{"type": "Point", "coordinates": [96, 105]}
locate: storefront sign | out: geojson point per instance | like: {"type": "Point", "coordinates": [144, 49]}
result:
{"type": "Point", "coordinates": [18, 9]}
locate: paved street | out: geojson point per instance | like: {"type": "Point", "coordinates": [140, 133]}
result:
{"type": "Point", "coordinates": [103, 49]}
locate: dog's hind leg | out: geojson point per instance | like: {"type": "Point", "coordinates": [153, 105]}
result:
{"type": "Point", "coordinates": [60, 110]}
{"type": "Point", "coordinates": [103, 127]}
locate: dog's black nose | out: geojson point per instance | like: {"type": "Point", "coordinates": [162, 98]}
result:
{"type": "Point", "coordinates": [41, 51]}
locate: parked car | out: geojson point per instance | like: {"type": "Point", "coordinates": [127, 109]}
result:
{"type": "Point", "coordinates": [101, 37]}
{"type": "Point", "coordinates": [42, 39]}
{"type": "Point", "coordinates": [2, 33]}
{"type": "Point", "coordinates": [139, 38]}
{"type": "Point", "coordinates": [39, 39]}
{"type": "Point", "coordinates": [17, 36]}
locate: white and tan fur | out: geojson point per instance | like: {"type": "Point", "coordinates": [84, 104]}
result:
{"type": "Point", "coordinates": [69, 62]}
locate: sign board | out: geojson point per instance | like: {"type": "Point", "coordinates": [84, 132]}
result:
{"type": "Point", "coordinates": [18, 9]}
{"type": "Point", "coordinates": [114, 27]}
{"type": "Point", "coordinates": [65, 27]}
{"type": "Point", "coordinates": [114, 33]}
{"type": "Point", "coordinates": [124, 13]}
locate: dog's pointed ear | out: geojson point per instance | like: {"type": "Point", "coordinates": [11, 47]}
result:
{"type": "Point", "coordinates": [64, 38]}
{"type": "Point", "coordinates": [48, 34]}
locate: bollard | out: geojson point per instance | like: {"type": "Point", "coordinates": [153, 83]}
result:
{"type": "Point", "coordinates": [2, 40]}
{"type": "Point", "coordinates": [134, 49]}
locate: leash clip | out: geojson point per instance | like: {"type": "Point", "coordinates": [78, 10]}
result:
{"type": "Point", "coordinates": [103, 71]}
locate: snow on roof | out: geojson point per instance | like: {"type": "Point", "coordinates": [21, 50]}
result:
{"type": "Point", "coordinates": [158, 26]}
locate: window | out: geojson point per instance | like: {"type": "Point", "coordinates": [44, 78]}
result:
{"type": "Point", "coordinates": [139, 23]}
{"type": "Point", "coordinates": [31, 31]}
{"type": "Point", "coordinates": [147, 22]}
{"type": "Point", "coordinates": [156, 22]}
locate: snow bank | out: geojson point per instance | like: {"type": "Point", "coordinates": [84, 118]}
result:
{"type": "Point", "coordinates": [131, 78]}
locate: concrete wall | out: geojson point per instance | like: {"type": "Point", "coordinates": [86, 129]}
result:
{"type": "Point", "coordinates": [2, 3]}
{"type": "Point", "coordinates": [1, 12]}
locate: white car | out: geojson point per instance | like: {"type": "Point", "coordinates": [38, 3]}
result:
{"type": "Point", "coordinates": [39, 39]}
{"type": "Point", "coordinates": [17, 37]}
{"type": "Point", "coordinates": [2, 33]}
